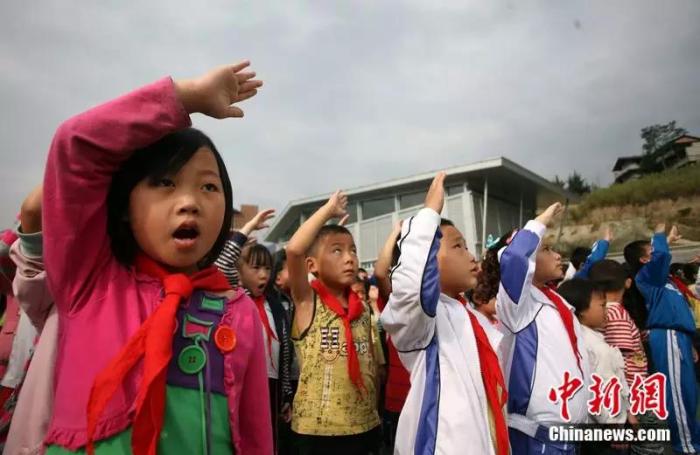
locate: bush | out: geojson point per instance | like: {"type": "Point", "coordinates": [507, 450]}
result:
{"type": "Point", "coordinates": [664, 185]}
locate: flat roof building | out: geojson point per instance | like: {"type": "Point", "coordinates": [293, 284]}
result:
{"type": "Point", "coordinates": [482, 198]}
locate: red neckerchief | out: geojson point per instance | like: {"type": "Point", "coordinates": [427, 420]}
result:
{"type": "Point", "coordinates": [152, 342]}
{"type": "Point", "coordinates": [492, 377]}
{"type": "Point", "coordinates": [354, 311]}
{"type": "Point", "coordinates": [567, 318]}
{"type": "Point", "coordinates": [685, 290]}
{"type": "Point", "coordinates": [260, 303]}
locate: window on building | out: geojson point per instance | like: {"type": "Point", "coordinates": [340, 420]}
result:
{"type": "Point", "coordinates": [412, 199]}
{"type": "Point", "coordinates": [454, 189]}
{"type": "Point", "coordinates": [377, 207]}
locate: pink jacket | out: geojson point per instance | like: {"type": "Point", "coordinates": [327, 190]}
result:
{"type": "Point", "coordinates": [35, 404]}
{"type": "Point", "coordinates": [7, 332]}
{"type": "Point", "coordinates": [101, 303]}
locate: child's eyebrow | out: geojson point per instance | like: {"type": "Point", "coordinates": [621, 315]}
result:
{"type": "Point", "coordinates": [209, 172]}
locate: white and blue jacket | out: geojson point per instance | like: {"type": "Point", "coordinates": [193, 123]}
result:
{"type": "Point", "coordinates": [536, 350]}
{"type": "Point", "coordinates": [446, 410]}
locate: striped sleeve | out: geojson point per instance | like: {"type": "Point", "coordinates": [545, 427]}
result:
{"type": "Point", "coordinates": [227, 261]}
{"type": "Point", "coordinates": [619, 331]}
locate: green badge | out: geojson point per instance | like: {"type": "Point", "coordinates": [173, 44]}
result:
{"type": "Point", "coordinates": [212, 304]}
{"type": "Point", "coordinates": [192, 359]}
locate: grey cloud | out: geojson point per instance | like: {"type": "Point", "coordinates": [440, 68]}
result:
{"type": "Point", "coordinates": [363, 91]}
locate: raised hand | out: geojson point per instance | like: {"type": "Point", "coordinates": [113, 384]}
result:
{"type": "Point", "coordinates": [550, 212]}
{"type": "Point", "coordinates": [259, 221]}
{"type": "Point", "coordinates": [435, 199]}
{"type": "Point", "coordinates": [674, 236]}
{"type": "Point", "coordinates": [337, 205]}
{"type": "Point", "coordinates": [214, 92]}
{"type": "Point", "coordinates": [608, 234]}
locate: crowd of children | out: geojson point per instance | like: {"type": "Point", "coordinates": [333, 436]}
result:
{"type": "Point", "coordinates": [136, 321]}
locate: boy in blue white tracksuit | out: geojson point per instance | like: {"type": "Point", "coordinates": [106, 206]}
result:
{"type": "Point", "coordinates": [543, 341]}
{"type": "Point", "coordinates": [447, 410]}
{"type": "Point", "coordinates": [671, 328]}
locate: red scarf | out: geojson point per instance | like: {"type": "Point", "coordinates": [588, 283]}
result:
{"type": "Point", "coordinates": [494, 384]}
{"type": "Point", "coordinates": [354, 311]}
{"type": "Point", "coordinates": [152, 342]}
{"type": "Point", "coordinates": [567, 318]}
{"type": "Point", "coordinates": [260, 303]}
{"type": "Point", "coordinates": [685, 290]}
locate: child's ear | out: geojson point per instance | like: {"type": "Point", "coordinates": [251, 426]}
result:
{"type": "Point", "coordinates": [311, 265]}
{"type": "Point", "coordinates": [628, 283]}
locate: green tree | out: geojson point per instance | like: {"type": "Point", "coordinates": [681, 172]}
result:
{"type": "Point", "coordinates": [577, 184]}
{"type": "Point", "coordinates": [655, 137]}
{"type": "Point", "coordinates": [559, 182]}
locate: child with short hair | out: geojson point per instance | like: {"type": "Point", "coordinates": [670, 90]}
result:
{"type": "Point", "coordinates": [671, 329]}
{"type": "Point", "coordinates": [621, 331]}
{"type": "Point", "coordinates": [542, 335]}
{"type": "Point", "coordinates": [457, 396]}
{"type": "Point", "coordinates": [605, 360]}
{"type": "Point", "coordinates": [156, 354]}
{"type": "Point", "coordinates": [335, 405]}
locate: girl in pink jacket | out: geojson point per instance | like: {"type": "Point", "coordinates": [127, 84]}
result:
{"type": "Point", "coordinates": [156, 354]}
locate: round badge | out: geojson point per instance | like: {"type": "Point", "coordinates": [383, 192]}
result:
{"type": "Point", "coordinates": [225, 338]}
{"type": "Point", "coordinates": [192, 359]}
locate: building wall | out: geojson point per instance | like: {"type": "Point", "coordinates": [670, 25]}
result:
{"type": "Point", "coordinates": [464, 209]}
{"type": "Point", "coordinates": [247, 213]}
{"type": "Point", "coordinates": [693, 152]}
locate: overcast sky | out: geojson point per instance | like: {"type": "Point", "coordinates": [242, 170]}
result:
{"type": "Point", "coordinates": [363, 91]}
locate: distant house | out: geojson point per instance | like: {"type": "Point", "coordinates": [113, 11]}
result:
{"type": "Point", "coordinates": [681, 151]}
{"type": "Point", "coordinates": [487, 197]}
{"type": "Point", "coordinates": [627, 168]}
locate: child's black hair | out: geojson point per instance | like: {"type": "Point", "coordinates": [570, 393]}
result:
{"type": "Point", "coordinates": [256, 255]}
{"type": "Point", "coordinates": [578, 292]}
{"type": "Point", "coordinates": [446, 222]}
{"type": "Point", "coordinates": [633, 301]}
{"type": "Point", "coordinates": [489, 278]}
{"type": "Point", "coordinates": [324, 232]}
{"type": "Point", "coordinates": [579, 255]}
{"type": "Point", "coordinates": [278, 261]}
{"type": "Point", "coordinates": [153, 162]}
{"type": "Point", "coordinates": [634, 252]}
{"type": "Point", "coordinates": [609, 275]}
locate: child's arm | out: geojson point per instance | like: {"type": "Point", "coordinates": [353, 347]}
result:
{"type": "Point", "coordinates": [382, 267]}
{"type": "Point", "coordinates": [514, 306]}
{"type": "Point", "coordinates": [29, 286]}
{"type": "Point", "coordinates": [89, 148]}
{"type": "Point", "coordinates": [254, 410]}
{"type": "Point", "coordinates": [654, 274]}
{"type": "Point", "coordinates": [618, 332]}
{"type": "Point", "coordinates": [409, 317]}
{"type": "Point", "coordinates": [598, 252]}
{"type": "Point", "coordinates": [227, 261]}
{"type": "Point", "coordinates": [298, 245]}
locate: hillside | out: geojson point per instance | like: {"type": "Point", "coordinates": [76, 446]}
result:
{"type": "Point", "coordinates": [634, 208]}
